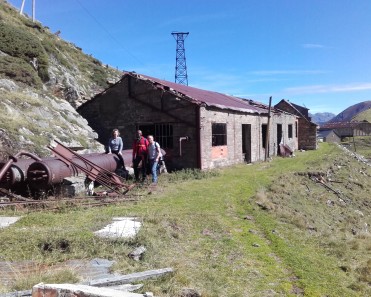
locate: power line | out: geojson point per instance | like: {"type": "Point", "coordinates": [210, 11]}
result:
{"type": "Point", "coordinates": [108, 32]}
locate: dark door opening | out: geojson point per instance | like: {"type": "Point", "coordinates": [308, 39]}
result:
{"type": "Point", "coordinates": [279, 137]}
{"type": "Point", "coordinates": [246, 142]}
{"type": "Point", "coordinates": [163, 133]}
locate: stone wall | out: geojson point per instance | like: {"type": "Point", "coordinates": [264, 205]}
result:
{"type": "Point", "coordinates": [133, 102]}
{"type": "Point", "coordinates": [307, 131]}
{"type": "Point", "coordinates": [307, 135]}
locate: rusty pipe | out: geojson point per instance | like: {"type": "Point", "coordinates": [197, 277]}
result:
{"type": "Point", "coordinates": [45, 173]}
{"type": "Point", "coordinates": [186, 138]}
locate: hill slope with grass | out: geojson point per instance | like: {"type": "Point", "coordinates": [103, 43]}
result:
{"type": "Point", "coordinates": [42, 80]}
{"type": "Point", "coordinates": [356, 112]}
{"type": "Point", "coordinates": [290, 227]}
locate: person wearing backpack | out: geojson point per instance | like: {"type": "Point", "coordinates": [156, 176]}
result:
{"type": "Point", "coordinates": [154, 155]}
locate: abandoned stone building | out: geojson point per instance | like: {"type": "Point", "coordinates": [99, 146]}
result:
{"type": "Point", "coordinates": [347, 129]}
{"type": "Point", "coordinates": [197, 128]}
{"type": "Point", "coordinates": [306, 129]}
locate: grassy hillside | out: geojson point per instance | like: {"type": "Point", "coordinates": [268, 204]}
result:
{"type": "Point", "coordinates": [23, 41]}
{"type": "Point", "coordinates": [363, 116]}
{"type": "Point", "coordinates": [42, 79]}
{"type": "Point", "coordinates": [360, 145]}
{"type": "Point", "coordinates": [290, 227]}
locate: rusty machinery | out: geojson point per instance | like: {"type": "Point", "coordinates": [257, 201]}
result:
{"type": "Point", "coordinates": [44, 173]}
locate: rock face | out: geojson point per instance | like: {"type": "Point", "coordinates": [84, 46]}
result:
{"type": "Point", "coordinates": [42, 80]}
{"type": "Point", "coordinates": [31, 120]}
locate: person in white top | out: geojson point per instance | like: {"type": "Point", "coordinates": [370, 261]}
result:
{"type": "Point", "coordinates": [154, 155]}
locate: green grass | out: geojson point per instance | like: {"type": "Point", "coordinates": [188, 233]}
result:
{"type": "Point", "coordinates": [198, 227]}
{"type": "Point", "coordinates": [360, 144]}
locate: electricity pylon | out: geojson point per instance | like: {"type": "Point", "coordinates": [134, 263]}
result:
{"type": "Point", "coordinates": [181, 76]}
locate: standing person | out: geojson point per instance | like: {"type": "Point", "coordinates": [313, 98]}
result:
{"type": "Point", "coordinates": [115, 145]}
{"type": "Point", "coordinates": [140, 153]}
{"type": "Point", "coordinates": [154, 155]}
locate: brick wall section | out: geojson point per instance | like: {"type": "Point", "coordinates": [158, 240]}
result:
{"type": "Point", "coordinates": [307, 135]}
{"type": "Point", "coordinates": [232, 153]}
{"type": "Point", "coordinates": [307, 131]}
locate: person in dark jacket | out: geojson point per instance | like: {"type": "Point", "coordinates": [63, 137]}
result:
{"type": "Point", "coordinates": [140, 154]}
{"type": "Point", "coordinates": [115, 145]}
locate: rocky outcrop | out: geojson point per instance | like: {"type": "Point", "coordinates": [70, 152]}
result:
{"type": "Point", "coordinates": [31, 120]}
{"type": "Point", "coordinates": [43, 79]}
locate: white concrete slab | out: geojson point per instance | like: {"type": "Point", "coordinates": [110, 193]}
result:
{"type": "Point", "coordinates": [60, 290]}
{"type": "Point", "coordinates": [7, 221]}
{"type": "Point", "coordinates": [120, 228]}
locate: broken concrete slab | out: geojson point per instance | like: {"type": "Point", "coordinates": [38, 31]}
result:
{"type": "Point", "coordinates": [121, 227]}
{"type": "Point", "coordinates": [73, 186]}
{"type": "Point", "coordinates": [70, 290]}
{"type": "Point", "coordinates": [7, 221]}
{"type": "Point", "coordinates": [129, 278]}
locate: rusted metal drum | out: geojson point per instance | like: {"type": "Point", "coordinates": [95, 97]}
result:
{"type": "Point", "coordinates": [16, 173]}
{"type": "Point", "coordinates": [43, 174]}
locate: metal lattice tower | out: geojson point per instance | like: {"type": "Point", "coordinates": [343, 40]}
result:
{"type": "Point", "coordinates": [181, 76]}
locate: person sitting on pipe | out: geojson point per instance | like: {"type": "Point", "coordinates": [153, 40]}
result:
{"type": "Point", "coordinates": [115, 145]}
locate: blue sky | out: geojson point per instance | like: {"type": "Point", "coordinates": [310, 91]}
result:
{"type": "Point", "coordinates": [314, 53]}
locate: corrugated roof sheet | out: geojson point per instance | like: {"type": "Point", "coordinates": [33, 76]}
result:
{"type": "Point", "coordinates": [210, 98]}
{"type": "Point", "coordinates": [339, 125]}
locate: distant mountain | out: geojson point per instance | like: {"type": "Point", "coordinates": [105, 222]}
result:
{"type": "Point", "coordinates": [356, 112]}
{"type": "Point", "coordinates": [321, 117]}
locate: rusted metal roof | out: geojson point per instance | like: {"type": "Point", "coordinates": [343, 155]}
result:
{"type": "Point", "coordinates": [339, 125]}
{"type": "Point", "coordinates": [209, 98]}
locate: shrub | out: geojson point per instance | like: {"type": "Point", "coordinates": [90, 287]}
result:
{"type": "Point", "coordinates": [99, 76]}
{"type": "Point", "coordinates": [51, 48]}
{"type": "Point", "coordinates": [18, 70]}
{"type": "Point", "coordinates": [18, 43]}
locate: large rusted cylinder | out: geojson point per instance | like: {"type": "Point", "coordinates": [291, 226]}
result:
{"type": "Point", "coordinates": [47, 173]}
{"type": "Point", "coordinates": [43, 174]}
{"type": "Point", "coordinates": [14, 170]}
{"type": "Point", "coordinates": [50, 171]}
{"type": "Point", "coordinates": [16, 173]}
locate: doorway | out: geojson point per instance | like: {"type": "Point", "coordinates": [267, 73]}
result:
{"type": "Point", "coordinates": [279, 137]}
{"type": "Point", "coordinates": [246, 142]}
